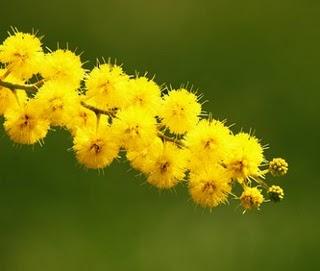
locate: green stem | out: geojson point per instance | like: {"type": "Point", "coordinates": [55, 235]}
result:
{"type": "Point", "coordinates": [111, 113]}
{"type": "Point", "coordinates": [5, 75]}
{"type": "Point", "coordinates": [170, 139]}
{"type": "Point", "coordinates": [13, 86]}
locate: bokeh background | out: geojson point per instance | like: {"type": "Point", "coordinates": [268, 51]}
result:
{"type": "Point", "coordinates": [257, 62]}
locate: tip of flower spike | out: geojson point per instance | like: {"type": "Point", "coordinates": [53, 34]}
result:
{"type": "Point", "coordinates": [278, 167]}
{"type": "Point", "coordinates": [275, 193]}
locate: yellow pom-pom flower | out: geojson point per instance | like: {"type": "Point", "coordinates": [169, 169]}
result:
{"type": "Point", "coordinates": [135, 127]}
{"type": "Point", "coordinates": [251, 197]}
{"type": "Point", "coordinates": [145, 93]}
{"type": "Point", "coordinates": [25, 125]}
{"type": "Point", "coordinates": [82, 118]}
{"type": "Point", "coordinates": [168, 166]}
{"type": "Point", "coordinates": [141, 159]}
{"type": "Point", "coordinates": [210, 186]}
{"type": "Point", "coordinates": [63, 66]}
{"type": "Point", "coordinates": [22, 53]}
{"type": "Point", "coordinates": [95, 148]}
{"type": "Point", "coordinates": [107, 87]}
{"type": "Point", "coordinates": [57, 102]}
{"type": "Point", "coordinates": [245, 157]}
{"type": "Point", "coordinates": [209, 140]}
{"type": "Point", "coordinates": [180, 111]}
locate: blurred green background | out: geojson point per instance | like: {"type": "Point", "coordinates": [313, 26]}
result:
{"type": "Point", "coordinates": [257, 62]}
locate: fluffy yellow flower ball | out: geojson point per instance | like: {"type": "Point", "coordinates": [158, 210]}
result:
{"type": "Point", "coordinates": [210, 186]}
{"type": "Point", "coordinates": [57, 102]}
{"type": "Point", "coordinates": [83, 118]}
{"type": "Point", "coordinates": [145, 93]}
{"type": "Point", "coordinates": [22, 53]}
{"type": "Point", "coordinates": [142, 159]}
{"type": "Point", "coordinates": [245, 157]}
{"type": "Point", "coordinates": [135, 127]}
{"type": "Point", "coordinates": [180, 111]}
{"type": "Point", "coordinates": [25, 125]}
{"type": "Point", "coordinates": [107, 87]}
{"type": "Point", "coordinates": [63, 66]}
{"type": "Point", "coordinates": [168, 166]}
{"type": "Point", "coordinates": [95, 148]}
{"type": "Point", "coordinates": [209, 140]}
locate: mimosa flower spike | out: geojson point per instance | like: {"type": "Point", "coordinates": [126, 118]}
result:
{"type": "Point", "coordinates": [163, 132]}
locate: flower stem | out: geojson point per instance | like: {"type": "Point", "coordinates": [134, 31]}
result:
{"type": "Point", "coordinates": [170, 139]}
{"type": "Point", "coordinates": [111, 113]}
{"type": "Point", "coordinates": [12, 86]}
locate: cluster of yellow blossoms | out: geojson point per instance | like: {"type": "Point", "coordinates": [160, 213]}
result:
{"type": "Point", "coordinates": [164, 133]}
